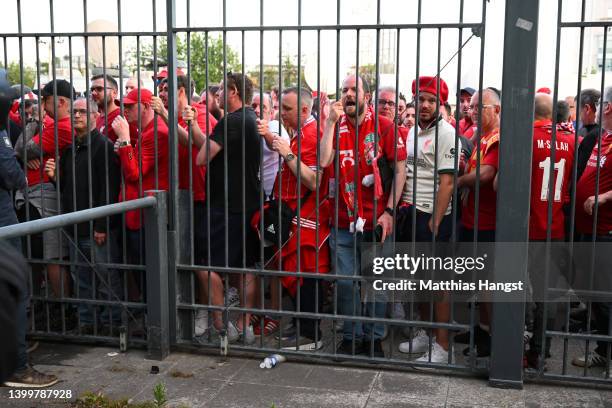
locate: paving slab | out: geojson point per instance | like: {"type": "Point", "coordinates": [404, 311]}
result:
{"type": "Point", "coordinates": [198, 380]}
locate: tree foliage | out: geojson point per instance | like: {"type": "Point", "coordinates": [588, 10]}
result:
{"type": "Point", "coordinates": [13, 75]}
{"type": "Point", "coordinates": [289, 71]}
{"type": "Point", "coordinates": [198, 54]}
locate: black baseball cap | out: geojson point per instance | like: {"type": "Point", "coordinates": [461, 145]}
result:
{"type": "Point", "coordinates": [467, 89]}
{"type": "Point", "coordinates": [62, 86]}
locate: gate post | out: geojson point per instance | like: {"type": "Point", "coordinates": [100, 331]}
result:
{"type": "Point", "coordinates": [156, 252]}
{"type": "Point", "coordinates": [518, 83]}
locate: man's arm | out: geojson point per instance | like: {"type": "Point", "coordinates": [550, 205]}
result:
{"type": "Point", "coordinates": [327, 149]}
{"type": "Point", "coordinates": [443, 198]}
{"type": "Point", "coordinates": [22, 147]}
{"type": "Point", "coordinates": [210, 147]}
{"type": "Point", "coordinates": [487, 174]}
{"type": "Point", "coordinates": [602, 199]}
{"type": "Point", "coordinates": [308, 176]}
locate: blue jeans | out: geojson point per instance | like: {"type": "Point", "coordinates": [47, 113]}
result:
{"type": "Point", "coordinates": [349, 294]}
{"type": "Point", "coordinates": [108, 281]}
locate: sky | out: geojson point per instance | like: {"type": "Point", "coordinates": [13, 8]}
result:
{"type": "Point", "coordinates": [137, 15]}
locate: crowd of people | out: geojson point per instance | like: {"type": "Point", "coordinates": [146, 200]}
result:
{"type": "Point", "coordinates": [392, 161]}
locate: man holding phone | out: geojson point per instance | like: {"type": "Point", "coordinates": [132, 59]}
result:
{"type": "Point", "coordinates": [365, 141]}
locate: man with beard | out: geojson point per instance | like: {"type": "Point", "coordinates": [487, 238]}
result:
{"type": "Point", "coordinates": [466, 124]}
{"type": "Point", "coordinates": [104, 91]}
{"type": "Point", "coordinates": [433, 166]}
{"type": "Point", "coordinates": [357, 140]}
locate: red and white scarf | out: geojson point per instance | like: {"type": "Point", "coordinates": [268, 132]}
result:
{"type": "Point", "coordinates": [368, 164]}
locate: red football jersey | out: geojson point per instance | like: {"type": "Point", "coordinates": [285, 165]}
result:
{"type": "Point", "coordinates": [47, 145]}
{"type": "Point", "coordinates": [586, 189]}
{"type": "Point", "coordinates": [198, 173]}
{"type": "Point", "coordinates": [133, 171]}
{"type": "Point", "coordinates": [489, 155]}
{"type": "Point", "coordinates": [389, 145]}
{"type": "Point", "coordinates": [540, 179]}
{"type": "Point", "coordinates": [104, 125]}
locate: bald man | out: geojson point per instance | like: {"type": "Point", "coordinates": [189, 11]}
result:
{"type": "Point", "coordinates": [542, 170]}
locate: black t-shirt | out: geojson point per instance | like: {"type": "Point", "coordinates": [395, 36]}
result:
{"type": "Point", "coordinates": [233, 146]}
{"type": "Point", "coordinates": [589, 134]}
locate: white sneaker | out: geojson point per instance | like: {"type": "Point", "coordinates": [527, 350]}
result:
{"type": "Point", "coordinates": [438, 355]}
{"type": "Point", "coordinates": [420, 343]}
{"type": "Point", "coordinates": [201, 322]}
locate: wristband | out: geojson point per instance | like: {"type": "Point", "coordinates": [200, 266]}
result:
{"type": "Point", "coordinates": [389, 211]}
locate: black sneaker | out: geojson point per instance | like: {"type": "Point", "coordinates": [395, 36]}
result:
{"type": "Point", "coordinates": [482, 343]}
{"type": "Point", "coordinates": [532, 360]}
{"type": "Point", "coordinates": [346, 347]}
{"type": "Point", "coordinates": [30, 378]}
{"type": "Point", "coordinates": [464, 338]}
{"type": "Point", "coordinates": [378, 349]}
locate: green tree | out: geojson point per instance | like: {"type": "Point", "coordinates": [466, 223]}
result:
{"type": "Point", "coordinates": [198, 60]}
{"type": "Point", "coordinates": [270, 75]}
{"type": "Point", "coordinates": [13, 75]}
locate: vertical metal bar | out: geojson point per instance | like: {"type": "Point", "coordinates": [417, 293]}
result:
{"type": "Point", "coordinates": [356, 184]}
{"type": "Point", "coordinates": [158, 298]}
{"type": "Point", "coordinates": [550, 198]}
{"type": "Point", "coordinates": [574, 183]}
{"type": "Point", "coordinates": [298, 132]}
{"type": "Point", "coordinates": [173, 218]}
{"type": "Point", "coordinates": [520, 51]}
{"type": "Point", "coordinates": [336, 165]}
{"type": "Point", "coordinates": [593, 238]}
{"type": "Point", "coordinates": [243, 277]}
{"type": "Point", "coordinates": [261, 280]}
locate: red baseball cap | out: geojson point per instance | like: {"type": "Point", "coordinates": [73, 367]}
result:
{"type": "Point", "coordinates": [163, 74]}
{"type": "Point", "coordinates": [132, 97]}
{"type": "Point", "coordinates": [544, 90]}
{"type": "Point", "coordinates": [429, 84]}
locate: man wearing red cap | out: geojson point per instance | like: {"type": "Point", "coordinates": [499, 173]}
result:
{"type": "Point", "coordinates": [362, 153]}
{"type": "Point", "coordinates": [141, 160]}
{"type": "Point", "coordinates": [433, 166]}
{"type": "Point", "coordinates": [104, 91]}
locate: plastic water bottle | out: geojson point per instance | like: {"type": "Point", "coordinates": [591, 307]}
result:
{"type": "Point", "coordinates": [272, 361]}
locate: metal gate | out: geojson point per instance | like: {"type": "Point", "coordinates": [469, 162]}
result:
{"type": "Point", "coordinates": [373, 48]}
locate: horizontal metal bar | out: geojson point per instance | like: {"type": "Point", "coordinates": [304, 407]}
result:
{"type": "Point", "coordinates": [244, 28]}
{"type": "Point", "coordinates": [96, 302]}
{"type": "Point", "coordinates": [270, 272]}
{"type": "Point", "coordinates": [363, 319]}
{"type": "Point", "coordinates": [318, 357]}
{"type": "Point", "coordinates": [578, 24]}
{"type": "Point", "coordinates": [579, 336]}
{"type": "Point", "coordinates": [121, 266]}
{"type": "Point", "coordinates": [569, 377]}
{"type": "Point", "coordinates": [77, 217]}
{"type": "Point", "coordinates": [82, 338]}
{"type": "Point", "coordinates": [330, 27]}
{"type": "Point", "coordinates": [86, 34]}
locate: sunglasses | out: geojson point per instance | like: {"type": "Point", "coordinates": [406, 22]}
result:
{"type": "Point", "coordinates": [98, 89]}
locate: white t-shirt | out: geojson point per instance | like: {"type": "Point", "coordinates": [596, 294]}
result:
{"type": "Point", "coordinates": [426, 159]}
{"type": "Point", "coordinates": [271, 158]}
